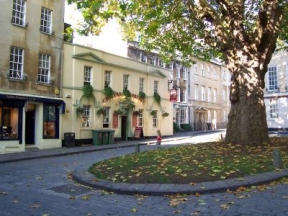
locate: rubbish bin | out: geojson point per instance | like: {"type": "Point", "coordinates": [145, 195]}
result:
{"type": "Point", "coordinates": [69, 139]}
{"type": "Point", "coordinates": [110, 136]}
{"type": "Point", "coordinates": [105, 138]}
{"type": "Point", "coordinates": [97, 137]}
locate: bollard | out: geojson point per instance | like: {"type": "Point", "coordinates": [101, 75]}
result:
{"type": "Point", "coordinates": [277, 159]}
{"type": "Point", "coordinates": [137, 148]}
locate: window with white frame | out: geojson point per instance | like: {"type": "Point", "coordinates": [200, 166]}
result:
{"type": "Point", "coordinates": [209, 94]}
{"type": "Point", "coordinates": [141, 85]}
{"type": "Point", "coordinates": [203, 93]}
{"type": "Point", "coordinates": [155, 86]}
{"type": "Point", "coordinates": [87, 75]}
{"type": "Point", "coordinates": [224, 115]}
{"type": "Point", "coordinates": [46, 21]}
{"type": "Point", "coordinates": [202, 70]}
{"type": "Point", "coordinates": [169, 66]}
{"type": "Point", "coordinates": [19, 12]}
{"type": "Point", "coordinates": [125, 81]}
{"type": "Point", "coordinates": [107, 78]}
{"type": "Point", "coordinates": [184, 73]}
{"type": "Point", "coordinates": [182, 116]}
{"type": "Point", "coordinates": [196, 92]}
{"type": "Point", "coordinates": [274, 112]}
{"type": "Point", "coordinates": [106, 117]}
{"type": "Point", "coordinates": [214, 74]}
{"type": "Point", "coordinates": [223, 74]}
{"type": "Point", "coordinates": [154, 118]}
{"type": "Point", "coordinates": [178, 95]}
{"type": "Point", "coordinates": [140, 118]}
{"type": "Point", "coordinates": [272, 78]}
{"type": "Point", "coordinates": [143, 58]}
{"type": "Point", "coordinates": [86, 116]}
{"type": "Point", "coordinates": [184, 92]}
{"type": "Point", "coordinates": [44, 68]}
{"type": "Point", "coordinates": [195, 69]}
{"type": "Point", "coordinates": [161, 63]}
{"type": "Point", "coordinates": [177, 72]}
{"type": "Point", "coordinates": [208, 71]}
{"type": "Point", "coordinates": [214, 95]}
{"type": "Point", "coordinates": [16, 63]}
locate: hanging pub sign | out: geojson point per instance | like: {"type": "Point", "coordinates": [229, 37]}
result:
{"type": "Point", "coordinates": [173, 95]}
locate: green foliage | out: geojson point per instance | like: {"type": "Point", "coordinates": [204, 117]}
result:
{"type": "Point", "coordinates": [157, 98]}
{"type": "Point", "coordinates": [136, 112]}
{"type": "Point", "coordinates": [176, 127]}
{"type": "Point", "coordinates": [88, 91]}
{"type": "Point", "coordinates": [109, 92]}
{"type": "Point", "coordinates": [127, 104]}
{"type": "Point", "coordinates": [126, 93]}
{"type": "Point", "coordinates": [153, 112]}
{"type": "Point", "coordinates": [186, 127]}
{"type": "Point", "coordinates": [118, 112]}
{"type": "Point", "coordinates": [79, 111]}
{"type": "Point", "coordinates": [142, 95]}
{"type": "Point", "coordinates": [165, 114]}
{"type": "Point", "coordinates": [101, 111]}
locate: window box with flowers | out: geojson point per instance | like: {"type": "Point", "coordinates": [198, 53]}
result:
{"type": "Point", "coordinates": [142, 95]}
{"type": "Point", "coordinates": [109, 92]}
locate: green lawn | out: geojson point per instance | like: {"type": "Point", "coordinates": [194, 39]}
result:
{"type": "Point", "coordinates": [192, 163]}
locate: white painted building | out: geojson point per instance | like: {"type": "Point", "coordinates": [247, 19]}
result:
{"type": "Point", "coordinates": [276, 92]}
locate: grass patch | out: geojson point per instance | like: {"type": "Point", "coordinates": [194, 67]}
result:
{"type": "Point", "coordinates": [192, 163]}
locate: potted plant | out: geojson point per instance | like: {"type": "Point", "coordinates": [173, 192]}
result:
{"type": "Point", "coordinates": [101, 111]}
{"type": "Point", "coordinates": [165, 114]}
{"type": "Point", "coordinates": [157, 98]}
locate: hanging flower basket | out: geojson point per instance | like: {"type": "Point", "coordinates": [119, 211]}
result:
{"type": "Point", "coordinates": [165, 114]}
{"type": "Point", "coordinates": [118, 112]}
{"type": "Point", "coordinates": [136, 112]}
{"type": "Point", "coordinates": [109, 92]}
{"type": "Point", "coordinates": [126, 93]}
{"type": "Point", "coordinates": [87, 91]}
{"type": "Point", "coordinates": [157, 98]}
{"type": "Point", "coordinates": [101, 111]}
{"type": "Point", "coordinates": [142, 95]}
{"type": "Point", "coordinates": [79, 111]}
{"type": "Point", "coordinates": [153, 112]}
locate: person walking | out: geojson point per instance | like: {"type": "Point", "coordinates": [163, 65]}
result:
{"type": "Point", "coordinates": [158, 138]}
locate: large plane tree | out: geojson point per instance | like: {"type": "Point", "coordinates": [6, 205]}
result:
{"type": "Point", "coordinates": [243, 33]}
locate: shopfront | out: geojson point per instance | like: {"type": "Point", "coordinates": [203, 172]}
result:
{"type": "Point", "coordinates": [29, 120]}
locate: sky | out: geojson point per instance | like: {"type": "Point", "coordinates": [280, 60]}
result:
{"type": "Point", "coordinates": [110, 40]}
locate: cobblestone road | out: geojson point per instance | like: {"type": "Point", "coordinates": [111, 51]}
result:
{"type": "Point", "coordinates": [42, 187]}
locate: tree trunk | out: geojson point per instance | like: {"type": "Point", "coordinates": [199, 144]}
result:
{"type": "Point", "coordinates": [247, 123]}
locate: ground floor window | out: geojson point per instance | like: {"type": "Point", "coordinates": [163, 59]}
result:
{"type": "Point", "coordinates": [9, 122]}
{"type": "Point", "coordinates": [50, 121]}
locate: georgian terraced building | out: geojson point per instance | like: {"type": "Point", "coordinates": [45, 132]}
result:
{"type": "Point", "coordinates": [121, 111]}
{"type": "Point", "coordinates": [30, 74]}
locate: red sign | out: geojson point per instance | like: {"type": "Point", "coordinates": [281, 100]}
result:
{"type": "Point", "coordinates": [173, 95]}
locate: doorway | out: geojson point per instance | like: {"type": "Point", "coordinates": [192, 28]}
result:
{"type": "Point", "coordinates": [30, 127]}
{"type": "Point", "coordinates": [123, 127]}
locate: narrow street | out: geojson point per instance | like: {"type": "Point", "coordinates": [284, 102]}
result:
{"type": "Point", "coordinates": [43, 187]}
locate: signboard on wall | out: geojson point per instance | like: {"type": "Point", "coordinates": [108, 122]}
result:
{"type": "Point", "coordinates": [138, 133]}
{"type": "Point", "coordinates": [173, 95]}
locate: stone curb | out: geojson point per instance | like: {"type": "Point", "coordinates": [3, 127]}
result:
{"type": "Point", "coordinates": [82, 176]}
